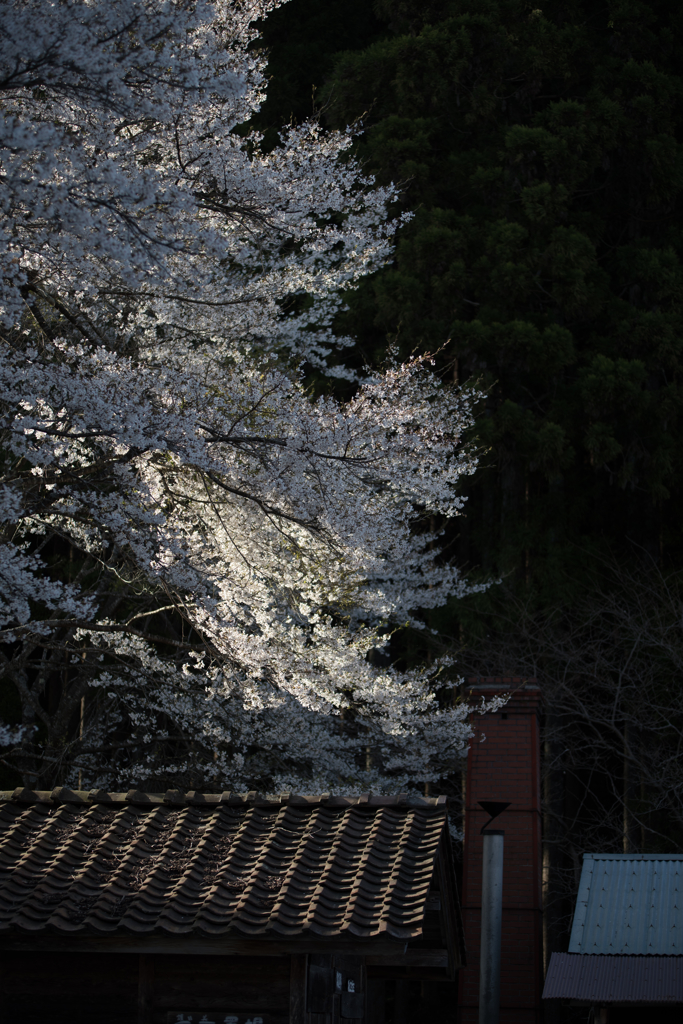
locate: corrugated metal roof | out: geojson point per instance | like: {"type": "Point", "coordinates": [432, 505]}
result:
{"type": "Point", "coordinates": [615, 979]}
{"type": "Point", "coordinates": [214, 865]}
{"type": "Point", "coordinates": [630, 904]}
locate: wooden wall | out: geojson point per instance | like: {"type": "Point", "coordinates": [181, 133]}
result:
{"type": "Point", "coordinates": [68, 988]}
{"type": "Point", "coordinates": [49, 987]}
{"type": "Point", "coordinates": [121, 988]}
{"type": "Point", "coordinates": [242, 986]}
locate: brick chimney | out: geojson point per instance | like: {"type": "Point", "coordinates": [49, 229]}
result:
{"type": "Point", "coordinates": [505, 767]}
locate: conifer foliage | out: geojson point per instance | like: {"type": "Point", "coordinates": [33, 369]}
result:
{"type": "Point", "coordinates": [540, 150]}
{"type": "Point", "coordinates": [197, 556]}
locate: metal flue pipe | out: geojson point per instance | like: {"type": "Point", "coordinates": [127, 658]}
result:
{"type": "Point", "coordinates": [491, 915]}
{"type": "Point", "coordinates": [491, 926]}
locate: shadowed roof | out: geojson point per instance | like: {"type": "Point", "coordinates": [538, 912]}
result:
{"type": "Point", "coordinates": [78, 863]}
{"type": "Point", "coordinates": [615, 979]}
{"type": "Point", "coordinates": [629, 903]}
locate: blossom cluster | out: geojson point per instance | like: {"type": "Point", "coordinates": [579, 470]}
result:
{"type": "Point", "coordinates": [216, 556]}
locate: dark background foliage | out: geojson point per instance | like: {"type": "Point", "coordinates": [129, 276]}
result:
{"type": "Point", "coordinates": [539, 149]}
{"type": "Point", "coordinates": [539, 152]}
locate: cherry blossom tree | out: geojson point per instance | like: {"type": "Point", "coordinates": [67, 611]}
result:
{"type": "Point", "coordinates": [200, 560]}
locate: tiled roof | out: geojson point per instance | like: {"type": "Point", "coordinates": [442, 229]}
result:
{"type": "Point", "coordinates": [78, 863]}
{"type": "Point", "coordinates": [630, 904]}
{"type": "Point", "coordinates": [615, 979]}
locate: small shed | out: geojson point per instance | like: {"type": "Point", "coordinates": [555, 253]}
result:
{"type": "Point", "coordinates": [626, 945]}
{"type": "Point", "coordinates": [144, 908]}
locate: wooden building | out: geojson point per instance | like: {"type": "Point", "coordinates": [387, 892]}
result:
{"type": "Point", "coordinates": [625, 959]}
{"type": "Point", "coordinates": [226, 909]}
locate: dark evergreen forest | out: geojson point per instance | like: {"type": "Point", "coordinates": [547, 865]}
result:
{"type": "Point", "coordinates": [539, 149]}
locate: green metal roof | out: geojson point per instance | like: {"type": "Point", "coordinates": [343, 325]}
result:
{"type": "Point", "coordinates": [629, 903]}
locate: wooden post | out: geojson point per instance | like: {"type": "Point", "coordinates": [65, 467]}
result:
{"type": "Point", "coordinates": [297, 989]}
{"type": "Point", "coordinates": [145, 989]}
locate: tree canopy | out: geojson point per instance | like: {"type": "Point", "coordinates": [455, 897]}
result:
{"type": "Point", "coordinates": [199, 559]}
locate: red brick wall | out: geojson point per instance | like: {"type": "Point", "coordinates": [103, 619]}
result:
{"type": "Point", "coordinates": [505, 767]}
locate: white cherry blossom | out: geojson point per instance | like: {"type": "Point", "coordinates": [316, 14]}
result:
{"type": "Point", "coordinates": [201, 563]}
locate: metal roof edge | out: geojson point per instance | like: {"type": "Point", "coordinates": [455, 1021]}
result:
{"type": "Point", "coordinates": [634, 856]}
{"type": "Point", "coordinates": [624, 956]}
{"type": "Point", "coordinates": [581, 908]}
